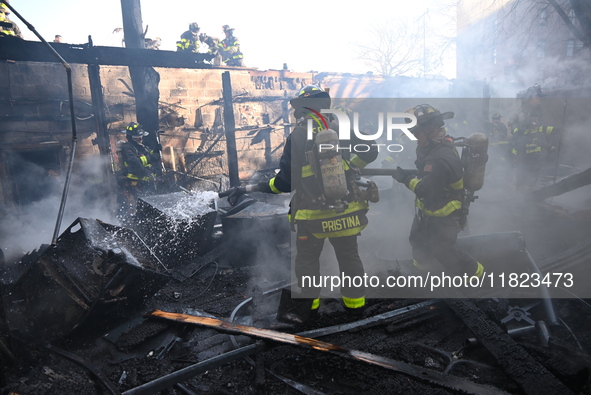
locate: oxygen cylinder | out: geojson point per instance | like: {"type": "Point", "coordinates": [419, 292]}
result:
{"type": "Point", "coordinates": [330, 165]}
{"type": "Point", "coordinates": [475, 158]}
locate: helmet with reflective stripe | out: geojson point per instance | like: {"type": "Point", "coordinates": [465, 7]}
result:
{"type": "Point", "coordinates": [134, 129]}
{"type": "Point", "coordinates": [194, 27]}
{"type": "Point", "coordinates": [310, 96]}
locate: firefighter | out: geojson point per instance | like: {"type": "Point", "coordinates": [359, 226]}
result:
{"type": "Point", "coordinates": [439, 189]}
{"type": "Point", "coordinates": [189, 39]}
{"type": "Point", "coordinates": [531, 139]}
{"type": "Point", "coordinates": [309, 212]}
{"type": "Point", "coordinates": [7, 27]}
{"type": "Point", "coordinates": [138, 164]}
{"type": "Point", "coordinates": [498, 136]}
{"type": "Point", "coordinates": [230, 48]}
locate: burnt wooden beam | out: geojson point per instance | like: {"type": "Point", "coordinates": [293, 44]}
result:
{"type": "Point", "coordinates": [230, 129]}
{"type": "Point", "coordinates": [565, 185]}
{"type": "Point", "coordinates": [33, 51]}
{"type": "Point", "coordinates": [102, 135]}
{"type": "Point", "coordinates": [145, 79]}
{"type": "Point", "coordinates": [529, 374]}
{"type": "Point", "coordinates": [428, 375]}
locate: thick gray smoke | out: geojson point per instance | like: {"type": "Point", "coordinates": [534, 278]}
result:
{"type": "Point", "coordinates": [32, 224]}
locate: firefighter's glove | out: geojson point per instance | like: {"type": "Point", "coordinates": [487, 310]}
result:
{"type": "Point", "coordinates": [233, 194]}
{"type": "Point", "coordinates": [403, 176]}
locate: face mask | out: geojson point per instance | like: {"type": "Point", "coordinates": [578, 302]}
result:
{"type": "Point", "coordinates": [438, 138]}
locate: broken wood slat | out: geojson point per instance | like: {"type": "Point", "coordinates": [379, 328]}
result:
{"type": "Point", "coordinates": [428, 375]}
{"type": "Point", "coordinates": [530, 375]}
{"type": "Point", "coordinates": [567, 184]}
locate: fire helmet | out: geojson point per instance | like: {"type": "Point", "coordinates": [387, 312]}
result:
{"type": "Point", "coordinates": [194, 27]}
{"type": "Point", "coordinates": [134, 129]}
{"type": "Point", "coordinates": [496, 117]}
{"type": "Point", "coordinates": [311, 97]}
{"type": "Point", "coordinates": [427, 114]}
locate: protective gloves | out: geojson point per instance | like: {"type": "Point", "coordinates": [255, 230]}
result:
{"type": "Point", "coordinates": [403, 176]}
{"type": "Point", "coordinates": [234, 194]}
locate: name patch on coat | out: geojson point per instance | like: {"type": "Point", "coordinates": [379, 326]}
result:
{"type": "Point", "coordinates": [335, 225]}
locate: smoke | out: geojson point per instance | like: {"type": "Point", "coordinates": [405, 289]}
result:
{"type": "Point", "coordinates": [32, 224]}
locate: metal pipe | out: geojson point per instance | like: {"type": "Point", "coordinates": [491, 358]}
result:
{"type": "Point", "coordinates": [546, 298]}
{"type": "Point", "coordinates": [72, 118]}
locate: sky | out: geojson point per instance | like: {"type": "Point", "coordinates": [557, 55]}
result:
{"type": "Point", "coordinates": [307, 35]}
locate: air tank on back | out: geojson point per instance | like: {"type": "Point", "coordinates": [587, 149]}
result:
{"type": "Point", "coordinates": [474, 158]}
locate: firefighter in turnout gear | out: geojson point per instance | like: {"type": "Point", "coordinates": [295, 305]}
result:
{"type": "Point", "coordinates": [531, 139]}
{"type": "Point", "coordinates": [439, 189]}
{"type": "Point", "coordinates": [189, 39]}
{"type": "Point", "coordinates": [138, 163]}
{"type": "Point", "coordinates": [500, 149]}
{"type": "Point", "coordinates": [230, 48]}
{"type": "Point", "coordinates": [322, 208]}
{"type": "Point", "coordinates": [7, 27]}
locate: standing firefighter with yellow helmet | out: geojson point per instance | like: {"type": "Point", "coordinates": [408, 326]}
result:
{"type": "Point", "coordinates": [326, 203]}
{"type": "Point", "coordinates": [138, 164]}
{"type": "Point", "coordinates": [439, 189]}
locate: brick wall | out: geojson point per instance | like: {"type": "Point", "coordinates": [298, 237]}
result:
{"type": "Point", "coordinates": [35, 109]}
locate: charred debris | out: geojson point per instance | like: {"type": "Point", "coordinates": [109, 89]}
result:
{"type": "Point", "coordinates": [182, 298]}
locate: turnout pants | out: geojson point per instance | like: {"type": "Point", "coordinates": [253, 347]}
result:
{"type": "Point", "coordinates": [307, 262]}
{"type": "Point", "coordinates": [434, 239]}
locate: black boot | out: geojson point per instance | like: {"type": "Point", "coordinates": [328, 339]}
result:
{"type": "Point", "coordinates": [293, 310]}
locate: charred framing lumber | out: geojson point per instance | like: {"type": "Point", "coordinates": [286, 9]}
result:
{"type": "Point", "coordinates": [181, 375]}
{"type": "Point", "coordinates": [427, 375]}
{"type": "Point", "coordinates": [567, 184]}
{"type": "Point", "coordinates": [145, 80]}
{"type": "Point", "coordinates": [230, 128]}
{"type": "Point", "coordinates": [102, 134]}
{"type": "Point", "coordinates": [33, 51]}
{"type": "Point", "coordinates": [530, 375]}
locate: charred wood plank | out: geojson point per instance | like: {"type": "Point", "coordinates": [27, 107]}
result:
{"type": "Point", "coordinates": [419, 373]}
{"type": "Point", "coordinates": [567, 184]}
{"type": "Point", "coordinates": [230, 128]}
{"type": "Point", "coordinates": [531, 376]}
{"type": "Point", "coordinates": [184, 374]}
{"type": "Point", "coordinates": [33, 51]}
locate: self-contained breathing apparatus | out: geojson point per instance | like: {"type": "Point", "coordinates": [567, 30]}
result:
{"type": "Point", "coordinates": [335, 184]}
{"type": "Point", "coordinates": [328, 168]}
{"type": "Point", "coordinates": [474, 157]}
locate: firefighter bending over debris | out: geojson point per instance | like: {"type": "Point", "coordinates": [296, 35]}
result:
{"type": "Point", "coordinates": [439, 190]}
{"type": "Point", "coordinates": [138, 163]}
{"type": "Point", "coordinates": [323, 206]}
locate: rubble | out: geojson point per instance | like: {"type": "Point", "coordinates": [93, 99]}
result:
{"type": "Point", "coordinates": [439, 349]}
